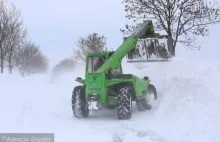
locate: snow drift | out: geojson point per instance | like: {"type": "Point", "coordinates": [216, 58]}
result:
{"type": "Point", "coordinates": [187, 109]}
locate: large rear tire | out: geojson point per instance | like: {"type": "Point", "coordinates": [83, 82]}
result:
{"type": "Point", "coordinates": [124, 103]}
{"type": "Point", "coordinates": [147, 102]}
{"type": "Point", "coordinates": [79, 104]}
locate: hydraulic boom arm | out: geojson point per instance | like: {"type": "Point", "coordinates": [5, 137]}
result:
{"type": "Point", "coordinates": [115, 60]}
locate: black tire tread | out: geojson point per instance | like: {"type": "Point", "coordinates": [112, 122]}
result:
{"type": "Point", "coordinates": [80, 107]}
{"type": "Point", "coordinates": [124, 103]}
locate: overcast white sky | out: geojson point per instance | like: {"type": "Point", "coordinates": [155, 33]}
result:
{"type": "Point", "coordinates": [55, 25]}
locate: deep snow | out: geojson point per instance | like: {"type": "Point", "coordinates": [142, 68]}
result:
{"type": "Point", "coordinates": [187, 109]}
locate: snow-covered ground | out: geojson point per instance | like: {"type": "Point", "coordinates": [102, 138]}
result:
{"type": "Point", "coordinates": [188, 108]}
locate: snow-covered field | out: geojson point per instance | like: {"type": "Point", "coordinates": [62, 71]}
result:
{"type": "Point", "coordinates": [188, 109]}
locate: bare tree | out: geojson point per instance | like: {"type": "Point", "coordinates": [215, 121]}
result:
{"type": "Point", "coordinates": [12, 33]}
{"type": "Point", "coordinates": [183, 20]}
{"type": "Point", "coordinates": [30, 60]}
{"type": "Point", "coordinates": [92, 43]}
{"type": "Point", "coordinates": [4, 20]}
{"type": "Point", "coordinates": [16, 35]}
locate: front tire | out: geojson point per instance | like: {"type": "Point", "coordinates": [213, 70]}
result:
{"type": "Point", "coordinates": [124, 103]}
{"type": "Point", "coordinates": [147, 102]}
{"type": "Point", "coordinates": [79, 104]}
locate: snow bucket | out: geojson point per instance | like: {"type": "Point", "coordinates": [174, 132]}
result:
{"type": "Point", "coordinates": [151, 49]}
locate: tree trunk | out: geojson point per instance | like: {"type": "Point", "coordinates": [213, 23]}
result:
{"type": "Point", "coordinates": [10, 62]}
{"type": "Point", "coordinates": [2, 65]}
{"type": "Point", "coordinates": [10, 68]}
{"type": "Point", "coordinates": [173, 51]}
{"type": "Point", "coordinates": [2, 59]}
{"type": "Point", "coordinates": [174, 47]}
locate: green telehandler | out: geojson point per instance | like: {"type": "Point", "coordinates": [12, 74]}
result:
{"type": "Point", "coordinates": [105, 85]}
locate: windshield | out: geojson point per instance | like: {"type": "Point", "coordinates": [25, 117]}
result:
{"type": "Point", "coordinates": [117, 71]}
{"type": "Point", "coordinates": [94, 63]}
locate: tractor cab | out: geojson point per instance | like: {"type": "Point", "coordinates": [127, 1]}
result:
{"type": "Point", "coordinates": [96, 60]}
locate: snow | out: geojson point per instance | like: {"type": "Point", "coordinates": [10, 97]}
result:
{"type": "Point", "coordinates": [187, 108]}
